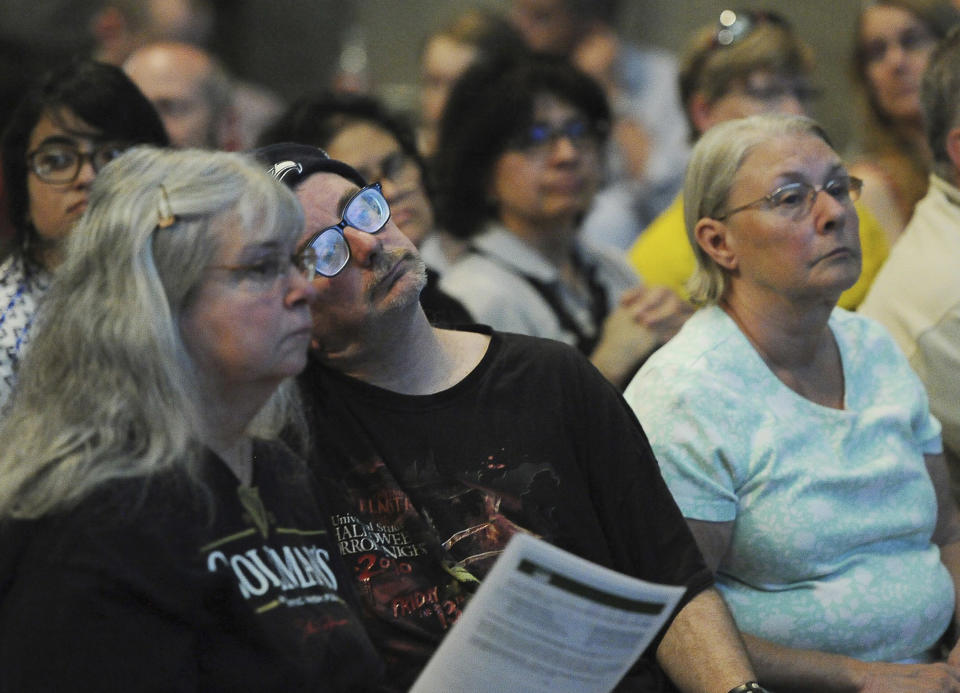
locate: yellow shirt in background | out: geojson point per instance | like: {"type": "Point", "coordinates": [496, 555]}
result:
{"type": "Point", "coordinates": [663, 256]}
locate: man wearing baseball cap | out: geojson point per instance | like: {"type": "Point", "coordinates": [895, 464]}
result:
{"type": "Point", "coordinates": [436, 446]}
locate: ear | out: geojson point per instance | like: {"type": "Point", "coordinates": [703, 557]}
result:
{"type": "Point", "coordinates": [701, 113]}
{"type": "Point", "coordinates": [714, 238]}
{"type": "Point", "coordinates": [953, 147]}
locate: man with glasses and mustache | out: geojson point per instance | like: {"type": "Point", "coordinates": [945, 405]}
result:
{"type": "Point", "coordinates": [381, 146]}
{"type": "Point", "coordinates": [436, 446]}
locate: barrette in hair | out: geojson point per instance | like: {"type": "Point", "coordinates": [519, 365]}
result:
{"type": "Point", "coordinates": [165, 216]}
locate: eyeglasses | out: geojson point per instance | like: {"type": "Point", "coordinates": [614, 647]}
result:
{"type": "Point", "coordinates": [736, 25]}
{"type": "Point", "coordinates": [266, 271]}
{"type": "Point", "coordinates": [776, 89]}
{"type": "Point", "coordinates": [540, 138]}
{"type": "Point", "coordinates": [366, 210]}
{"type": "Point", "coordinates": [795, 200]}
{"type": "Point", "coordinates": [60, 162]}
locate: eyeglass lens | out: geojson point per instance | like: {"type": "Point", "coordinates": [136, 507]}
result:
{"type": "Point", "coordinates": [366, 211]}
{"type": "Point", "coordinates": [60, 162]}
{"type": "Point", "coordinates": [539, 136]}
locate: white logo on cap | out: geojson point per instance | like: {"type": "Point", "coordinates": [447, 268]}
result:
{"type": "Point", "coordinates": [282, 168]}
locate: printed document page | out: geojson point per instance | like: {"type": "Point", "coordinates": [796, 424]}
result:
{"type": "Point", "coordinates": [546, 620]}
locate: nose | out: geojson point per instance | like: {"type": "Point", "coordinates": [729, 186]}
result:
{"type": "Point", "coordinates": [895, 54]}
{"type": "Point", "coordinates": [829, 212]}
{"type": "Point", "coordinates": [791, 104]}
{"type": "Point", "coordinates": [87, 173]}
{"type": "Point", "coordinates": [363, 246]}
{"type": "Point", "coordinates": [299, 290]}
{"type": "Point", "coordinates": [564, 148]}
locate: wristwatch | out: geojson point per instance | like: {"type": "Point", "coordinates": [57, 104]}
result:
{"type": "Point", "coordinates": [749, 687]}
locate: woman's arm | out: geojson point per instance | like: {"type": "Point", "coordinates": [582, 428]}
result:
{"type": "Point", "coordinates": [786, 669]}
{"type": "Point", "coordinates": [947, 534]}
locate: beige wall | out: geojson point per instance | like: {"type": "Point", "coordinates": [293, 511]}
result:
{"type": "Point", "coordinates": [395, 31]}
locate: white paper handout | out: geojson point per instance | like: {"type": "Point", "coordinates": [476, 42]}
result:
{"type": "Point", "coordinates": [546, 620]}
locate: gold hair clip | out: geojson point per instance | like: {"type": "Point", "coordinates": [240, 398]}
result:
{"type": "Point", "coordinates": [165, 216]}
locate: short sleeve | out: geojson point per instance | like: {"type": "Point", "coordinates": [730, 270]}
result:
{"type": "Point", "coordinates": [697, 457]}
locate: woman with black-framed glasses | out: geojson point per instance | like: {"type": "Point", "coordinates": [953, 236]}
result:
{"type": "Point", "coordinates": [69, 125]}
{"type": "Point", "coordinates": [794, 435]}
{"type": "Point", "coordinates": [518, 166]}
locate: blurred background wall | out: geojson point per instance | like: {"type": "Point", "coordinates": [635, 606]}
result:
{"type": "Point", "coordinates": [294, 46]}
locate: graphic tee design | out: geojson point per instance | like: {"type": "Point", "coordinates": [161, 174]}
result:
{"type": "Point", "coordinates": [154, 585]}
{"type": "Point", "coordinates": [427, 491]}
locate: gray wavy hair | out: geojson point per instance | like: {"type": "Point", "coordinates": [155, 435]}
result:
{"type": "Point", "coordinates": [107, 388]}
{"type": "Point", "coordinates": [713, 166]}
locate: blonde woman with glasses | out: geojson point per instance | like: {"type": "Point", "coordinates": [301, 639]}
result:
{"type": "Point", "coordinates": [793, 434]}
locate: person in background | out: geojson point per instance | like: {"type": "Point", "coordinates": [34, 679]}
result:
{"type": "Point", "coordinates": [916, 295]}
{"type": "Point", "coordinates": [477, 34]}
{"type": "Point", "coordinates": [156, 535]}
{"type": "Point", "coordinates": [438, 445]}
{"type": "Point", "coordinates": [750, 62]}
{"type": "Point", "coordinates": [119, 27]}
{"type": "Point", "coordinates": [647, 148]}
{"type": "Point", "coordinates": [893, 42]}
{"type": "Point", "coordinates": [69, 125]}
{"type": "Point", "coordinates": [191, 92]}
{"type": "Point", "coordinates": [358, 130]}
{"type": "Point", "coordinates": [794, 436]}
{"type": "Point", "coordinates": [518, 165]}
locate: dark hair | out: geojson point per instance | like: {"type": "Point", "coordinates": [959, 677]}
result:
{"type": "Point", "coordinates": [318, 119]}
{"type": "Point", "coordinates": [603, 10]}
{"type": "Point", "coordinates": [488, 31]}
{"type": "Point", "coordinates": [489, 105]}
{"type": "Point", "coordinates": [99, 94]}
{"type": "Point", "coordinates": [940, 95]}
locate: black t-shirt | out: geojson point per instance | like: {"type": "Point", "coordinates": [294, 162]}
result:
{"type": "Point", "coordinates": [426, 490]}
{"type": "Point", "coordinates": [441, 308]}
{"type": "Point", "coordinates": [154, 585]}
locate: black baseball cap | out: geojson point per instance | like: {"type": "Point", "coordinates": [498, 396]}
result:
{"type": "Point", "coordinates": [293, 163]}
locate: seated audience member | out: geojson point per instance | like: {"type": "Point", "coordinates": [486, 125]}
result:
{"type": "Point", "coordinates": [917, 293]}
{"type": "Point", "coordinates": [72, 122]}
{"type": "Point", "coordinates": [155, 537]}
{"type": "Point", "coordinates": [893, 41]}
{"type": "Point", "coordinates": [359, 131]}
{"type": "Point", "coordinates": [476, 35]}
{"type": "Point", "coordinates": [445, 443]}
{"type": "Point", "coordinates": [750, 63]}
{"type": "Point", "coordinates": [793, 435]}
{"type": "Point", "coordinates": [517, 168]}
{"type": "Point", "coordinates": [648, 148]}
{"type": "Point", "coordinates": [191, 92]}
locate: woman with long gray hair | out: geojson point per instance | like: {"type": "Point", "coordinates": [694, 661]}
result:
{"type": "Point", "coordinates": [156, 536]}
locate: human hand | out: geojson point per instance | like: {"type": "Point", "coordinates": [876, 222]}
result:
{"type": "Point", "coordinates": [657, 308]}
{"type": "Point", "coordinates": [644, 319]}
{"type": "Point", "coordinates": [884, 677]}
